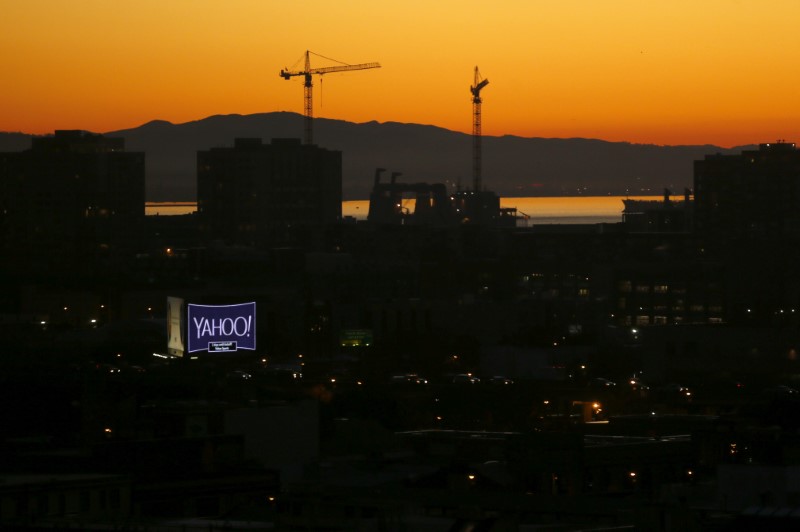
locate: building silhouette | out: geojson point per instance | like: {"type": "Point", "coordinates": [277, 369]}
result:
{"type": "Point", "coordinates": [652, 216]}
{"type": "Point", "coordinates": [752, 195]}
{"type": "Point", "coordinates": [72, 198]}
{"type": "Point", "coordinates": [620, 375]}
{"type": "Point", "coordinates": [433, 206]}
{"type": "Point", "coordinates": [746, 218]}
{"type": "Point", "coordinates": [258, 194]}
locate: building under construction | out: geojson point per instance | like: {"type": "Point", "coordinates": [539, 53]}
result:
{"type": "Point", "coordinates": [432, 204]}
{"type": "Point", "coordinates": [392, 202]}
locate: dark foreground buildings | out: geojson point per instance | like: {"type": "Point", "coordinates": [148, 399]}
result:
{"type": "Point", "coordinates": [417, 376]}
{"type": "Point", "coordinates": [256, 194]}
{"type": "Point", "coordinates": [71, 200]}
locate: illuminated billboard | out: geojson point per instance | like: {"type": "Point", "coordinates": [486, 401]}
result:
{"type": "Point", "coordinates": [355, 337]}
{"type": "Point", "coordinates": [221, 328]}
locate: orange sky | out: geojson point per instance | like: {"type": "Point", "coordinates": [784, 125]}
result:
{"type": "Point", "coordinates": [720, 72]}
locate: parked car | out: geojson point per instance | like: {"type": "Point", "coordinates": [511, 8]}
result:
{"type": "Point", "coordinates": [465, 378]}
{"type": "Point", "coordinates": [602, 383]}
{"type": "Point", "coordinates": [408, 378]}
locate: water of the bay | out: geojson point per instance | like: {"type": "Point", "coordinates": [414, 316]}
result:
{"type": "Point", "coordinates": [530, 210]}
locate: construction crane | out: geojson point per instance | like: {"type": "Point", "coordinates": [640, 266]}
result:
{"type": "Point", "coordinates": [476, 128]}
{"type": "Point", "coordinates": [307, 72]}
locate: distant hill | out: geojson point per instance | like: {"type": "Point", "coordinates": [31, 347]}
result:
{"type": "Point", "coordinates": [512, 166]}
{"type": "Point", "coordinates": [14, 141]}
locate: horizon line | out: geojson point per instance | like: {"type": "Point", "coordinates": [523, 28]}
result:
{"type": "Point", "coordinates": [300, 116]}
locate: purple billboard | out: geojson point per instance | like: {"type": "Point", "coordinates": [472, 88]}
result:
{"type": "Point", "coordinates": [221, 328]}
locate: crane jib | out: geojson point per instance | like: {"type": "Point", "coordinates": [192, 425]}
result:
{"type": "Point", "coordinates": [308, 72]}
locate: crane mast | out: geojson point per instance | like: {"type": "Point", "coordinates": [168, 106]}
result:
{"type": "Point", "coordinates": [308, 110]}
{"type": "Point", "coordinates": [476, 129]}
{"type": "Point", "coordinates": [307, 73]}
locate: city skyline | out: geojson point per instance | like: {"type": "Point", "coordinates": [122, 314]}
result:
{"type": "Point", "coordinates": [666, 73]}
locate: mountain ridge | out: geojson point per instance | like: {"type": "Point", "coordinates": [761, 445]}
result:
{"type": "Point", "coordinates": [512, 165]}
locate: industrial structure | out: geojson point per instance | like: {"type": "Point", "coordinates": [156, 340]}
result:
{"type": "Point", "coordinates": [307, 73]}
{"type": "Point", "coordinates": [654, 216]}
{"type": "Point", "coordinates": [432, 204]}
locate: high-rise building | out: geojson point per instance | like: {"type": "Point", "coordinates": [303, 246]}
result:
{"type": "Point", "coordinates": [747, 217]}
{"type": "Point", "coordinates": [753, 195]}
{"type": "Point", "coordinates": [71, 198]}
{"type": "Point", "coordinates": [256, 194]}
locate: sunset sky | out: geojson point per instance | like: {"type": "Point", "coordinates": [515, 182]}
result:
{"type": "Point", "coordinates": [722, 72]}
